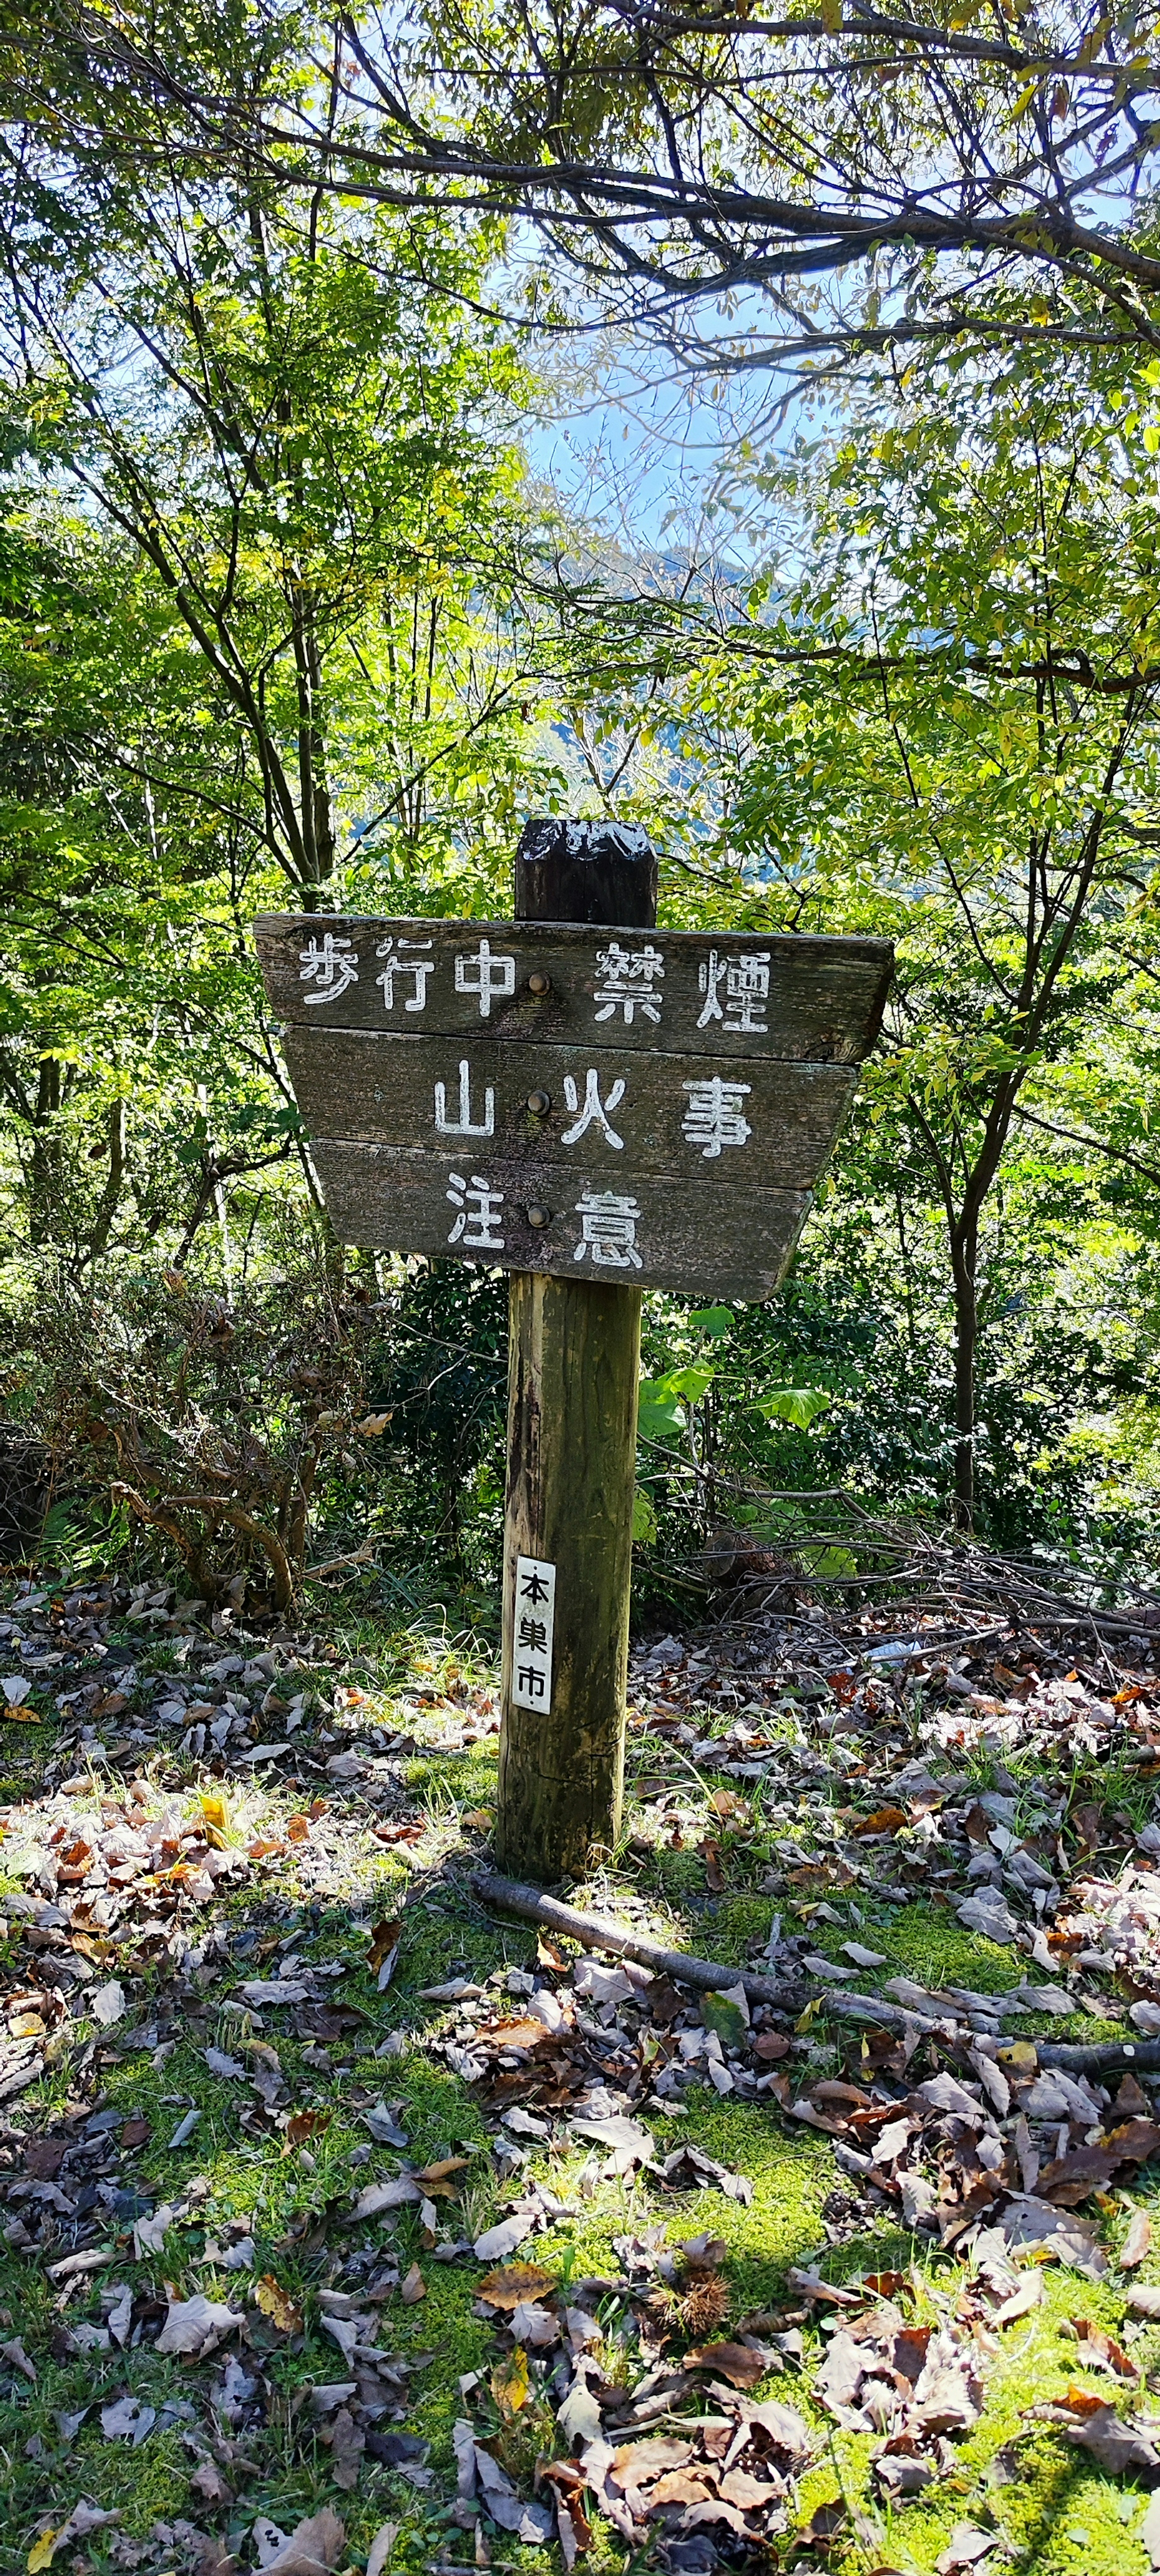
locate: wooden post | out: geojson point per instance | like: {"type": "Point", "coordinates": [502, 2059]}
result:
{"type": "Point", "coordinates": [573, 1371]}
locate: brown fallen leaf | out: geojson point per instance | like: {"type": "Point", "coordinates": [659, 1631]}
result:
{"type": "Point", "coordinates": [1103, 2352]}
{"type": "Point", "coordinates": [714, 1874]}
{"type": "Point", "coordinates": [524, 2033]}
{"type": "Point", "coordinates": [513, 2282]}
{"type": "Point", "coordinates": [885, 1820]}
{"type": "Point", "coordinates": [736, 2362]}
{"type": "Point", "coordinates": [635, 2463]}
{"type": "Point", "coordinates": [412, 2287]}
{"type": "Point", "coordinates": [679, 2486]}
{"type": "Point", "coordinates": [435, 2177]}
{"type": "Point", "coordinates": [277, 2305]}
{"type": "Point", "coordinates": [1070, 2179]}
{"type": "Point", "coordinates": [1028, 2295]}
{"type": "Point", "coordinates": [347, 2444]}
{"type": "Point", "coordinates": [664, 2001]}
{"type": "Point", "coordinates": [825, 2522]}
{"type": "Point", "coordinates": [305, 2124]}
{"type": "Point", "coordinates": [384, 1943]}
{"type": "Point", "coordinates": [43, 2157]}
{"type": "Point", "coordinates": [1116, 2447]}
{"type": "Point", "coordinates": [547, 1955]}
{"type": "Point", "coordinates": [297, 1829]}
{"type": "Point", "coordinates": [312, 2549]}
{"type": "Point", "coordinates": [1138, 2241]}
{"type": "Point", "coordinates": [196, 2325]}
{"type": "Point", "coordinates": [1134, 2141]}
{"type": "Point", "coordinates": [208, 2483]}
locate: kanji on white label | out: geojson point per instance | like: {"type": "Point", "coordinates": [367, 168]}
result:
{"type": "Point", "coordinates": [406, 958]}
{"type": "Point", "coordinates": [329, 962]}
{"type": "Point", "coordinates": [534, 1613]}
{"type": "Point", "coordinates": [493, 978]}
{"type": "Point", "coordinates": [464, 1125]}
{"type": "Point", "coordinates": [478, 1206]}
{"type": "Point", "coordinates": [714, 1116]}
{"type": "Point", "coordinates": [746, 982]}
{"type": "Point", "coordinates": [608, 1226]}
{"type": "Point", "coordinates": [594, 1109]}
{"type": "Point", "coordinates": [628, 979]}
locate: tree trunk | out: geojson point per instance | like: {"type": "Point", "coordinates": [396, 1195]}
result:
{"type": "Point", "coordinates": [964, 1254]}
{"type": "Point", "coordinates": [573, 1374]}
{"type": "Point", "coordinates": [45, 1172]}
{"type": "Point", "coordinates": [107, 1203]}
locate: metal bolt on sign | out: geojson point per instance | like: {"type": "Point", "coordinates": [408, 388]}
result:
{"type": "Point", "coordinates": [598, 1107]}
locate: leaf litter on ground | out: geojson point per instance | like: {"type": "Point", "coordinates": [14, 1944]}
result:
{"type": "Point", "coordinates": [938, 2117]}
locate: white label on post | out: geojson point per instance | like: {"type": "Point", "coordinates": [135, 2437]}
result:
{"type": "Point", "coordinates": [535, 1610]}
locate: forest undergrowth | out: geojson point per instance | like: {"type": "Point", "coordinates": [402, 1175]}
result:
{"type": "Point", "coordinates": [349, 2223]}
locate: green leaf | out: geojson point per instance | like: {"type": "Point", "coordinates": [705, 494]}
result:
{"type": "Point", "coordinates": [714, 1320]}
{"type": "Point", "coordinates": [692, 1383]}
{"type": "Point", "coordinates": [644, 1519]}
{"type": "Point", "coordinates": [797, 1404]}
{"type": "Point", "coordinates": [659, 1415]}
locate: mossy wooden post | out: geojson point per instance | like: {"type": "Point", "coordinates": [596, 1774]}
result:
{"type": "Point", "coordinates": [573, 1369]}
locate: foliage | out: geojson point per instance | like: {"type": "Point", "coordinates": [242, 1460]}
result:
{"type": "Point", "coordinates": [818, 188]}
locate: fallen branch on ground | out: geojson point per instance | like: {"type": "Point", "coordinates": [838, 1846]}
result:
{"type": "Point", "coordinates": [595, 1932]}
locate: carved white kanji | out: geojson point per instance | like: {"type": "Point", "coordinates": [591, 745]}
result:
{"type": "Point", "coordinates": [464, 1125]}
{"type": "Point", "coordinates": [478, 1206]}
{"type": "Point", "coordinates": [746, 982]}
{"type": "Point", "coordinates": [594, 1109]}
{"type": "Point", "coordinates": [608, 1224]}
{"type": "Point", "coordinates": [329, 962]}
{"type": "Point", "coordinates": [714, 1116]}
{"type": "Point", "coordinates": [627, 979]}
{"type": "Point", "coordinates": [418, 966]}
{"type": "Point", "coordinates": [493, 978]}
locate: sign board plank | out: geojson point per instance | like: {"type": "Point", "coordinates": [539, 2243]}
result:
{"type": "Point", "coordinates": [737, 993]}
{"type": "Point", "coordinates": [634, 1230]}
{"type": "Point", "coordinates": [625, 1105]}
{"type": "Point", "coordinates": [656, 1112]}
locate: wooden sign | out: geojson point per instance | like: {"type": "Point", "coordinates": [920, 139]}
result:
{"type": "Point", "coordinates": [649, 1107]}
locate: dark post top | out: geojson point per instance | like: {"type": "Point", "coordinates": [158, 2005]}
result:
{"type": "Point", "coordinates": [598, 872]}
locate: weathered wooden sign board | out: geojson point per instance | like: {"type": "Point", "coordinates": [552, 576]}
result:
{"type": "Point", "coordinates": [652, 1106]}
{"type": "Point", "coordinates": [599, 1107]}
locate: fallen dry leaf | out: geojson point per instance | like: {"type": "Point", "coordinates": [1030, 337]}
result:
{"type": "Point", "coordinates": [739, 2363]}
{"type": "Point", "coordinates": [306, 2124]}
{"type": "Point", "coordinates": [711, 1855]}
{"type": "Point", "coordinates": [512, 2284]}
{"type": "Point", "coordinates": [276, 2303]}
{"type": "Point", "coordinates": [1102, 2350]}
{"type": "Point", "coordinates": [312, 2549]}
{"type": "Point", "coordinates": [196, 2326]}
{"type": "Point", "coordinates": [510, 2385]}
{"type": "Point", "coordinates": [1138, 2241]}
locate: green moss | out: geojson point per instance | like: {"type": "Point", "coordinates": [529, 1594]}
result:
{"type": "Point", "coordinates": [926, 1942]}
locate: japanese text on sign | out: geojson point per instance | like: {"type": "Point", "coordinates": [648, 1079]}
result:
{"type": "Point", "coordinates": [532, 1623]}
